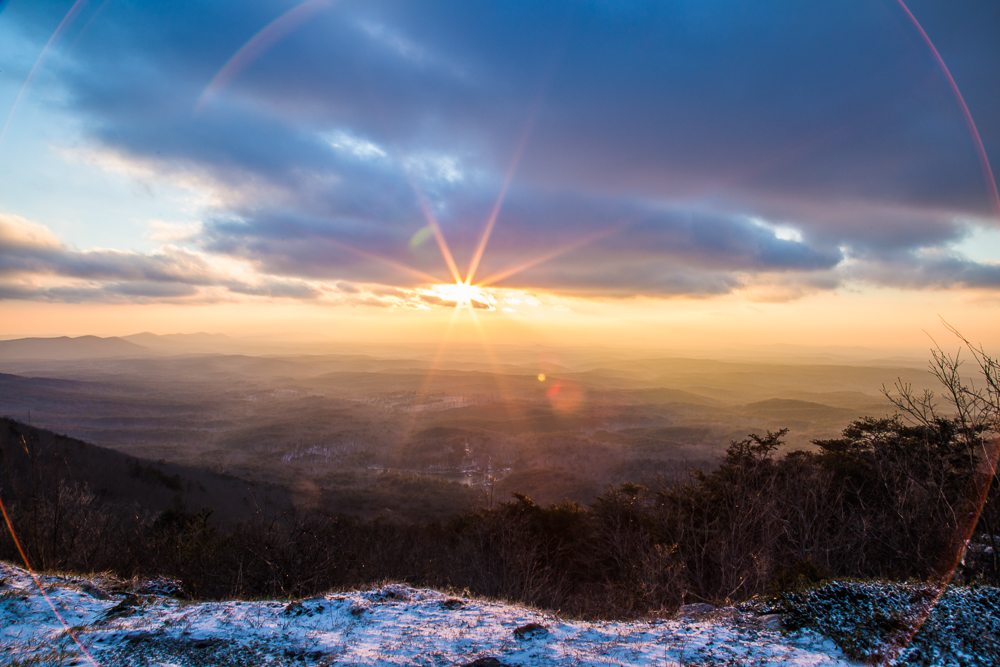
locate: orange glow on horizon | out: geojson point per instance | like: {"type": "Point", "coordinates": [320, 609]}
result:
{"type": "Point", "coordinates": [886, 319]}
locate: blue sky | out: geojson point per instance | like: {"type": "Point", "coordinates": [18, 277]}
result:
{"type": "Point", "coordinates": [683, 149]}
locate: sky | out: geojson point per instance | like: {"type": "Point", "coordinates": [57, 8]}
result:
{"type": "Point", "coordinates": [691, 173]}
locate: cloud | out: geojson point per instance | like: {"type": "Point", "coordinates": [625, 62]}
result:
{"type": "Point", "coordinates": [933, 270]}
{"type": "Point", "coordinates": [35, 265]}
{"type": "Point", "coordinates": [133, 292]}
{"type": "Point", "coordinates": [17, 233]}
{"type": "Point", "coordinates": [28, 248]}
{"type": "Point", "coordinates": [724, 149]}
{"type": "Point", "coordinates": [276, 288]}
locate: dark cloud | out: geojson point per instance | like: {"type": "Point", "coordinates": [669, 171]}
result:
{"type": "Point", "coordinates": [940, 271]}
{"type": "Point", "coordinates": [41, 256]}
{"type": "Point", "coordinates": [651, 239]}
{"type": "Point", "coordinates": [276, 288]}
{"type": "Point", "coordinates": [717, 141]}
{"type": "Point", "coordinates": [29, 256]}
{"type": "Point", "coordinates": [105, 293]}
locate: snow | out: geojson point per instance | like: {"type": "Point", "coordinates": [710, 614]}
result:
{"type": "Point", "coordinates": [390, 625]}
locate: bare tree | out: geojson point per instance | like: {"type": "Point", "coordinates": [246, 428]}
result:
{"type": "Point", "coordinates": [972, 400]}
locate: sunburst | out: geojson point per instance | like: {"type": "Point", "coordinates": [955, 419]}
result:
{"type": "Point", "coordinates": [464, 295]}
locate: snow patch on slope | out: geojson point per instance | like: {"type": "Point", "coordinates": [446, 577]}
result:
{"type": "Point", "coordinates": [391, 625]}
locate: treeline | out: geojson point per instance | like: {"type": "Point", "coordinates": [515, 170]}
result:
{"type": "Point", "coordinates": [888, 499]}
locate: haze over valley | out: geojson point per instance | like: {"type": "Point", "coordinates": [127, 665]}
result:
{"type": "Point", "coordinates": [384, 432]}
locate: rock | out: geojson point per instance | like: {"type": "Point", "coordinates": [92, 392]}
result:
{"type": "Point", "coordinates": [302, 655]}
{"type": "Point", "coordinates": [93, 591]}
{"type": "Point", "coordinates": [531, 631]}
{"type": "Point", "coordinates": [695, 609]}
{"type": "Point", "coordinates": [126, 607]}
{"type": "Point", "coordinates": [294, 609]}
{"type": "Point", "coordinates": [303, 608]}
{"type": "Point", "coordinates": [390, 593]}
{"type": "Point", "coordinates": [161, 586]}
{"type": "Point", "coordinates": [453, 603]}
{"type": "Point", "coordinates": [770, 621]}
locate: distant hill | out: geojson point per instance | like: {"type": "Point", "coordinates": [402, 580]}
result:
{"type": "Point", "coordinates": [66, 347]}
{"type": "Point", "coordinates": [182, 343]}
{"type": "Point", "coordinates": [790, 408]}
{"type": "Point", "coordinates": [786, 404]}
{"type": "Point", "coordinates": [31, 456]}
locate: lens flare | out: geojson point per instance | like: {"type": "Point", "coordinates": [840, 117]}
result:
{"type": "Point", "coordinates": [42, 57]}
{"type": "Point", "coordinates": [970, 122]}
{"type": "Point", "coordinates": [264, 39]}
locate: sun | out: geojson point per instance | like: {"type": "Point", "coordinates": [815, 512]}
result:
{"type": "Point", "coordinates": [465, 295]}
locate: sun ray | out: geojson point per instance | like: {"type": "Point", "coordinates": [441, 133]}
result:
{"type": "Point", "coordinates": [599, 235]}
{"type": "Point", "coordinates": [439, 353]}
{"type": "Point", "coordinates": [399, 266]}
{"type": "Point", "coordinates": [439, 238]}
{"type": "Point", "coordinates": [424, 388]}
{"type": "Point", "coordinates": [506, 396]}
{"type": "Point", "coordinates": [491, 221]}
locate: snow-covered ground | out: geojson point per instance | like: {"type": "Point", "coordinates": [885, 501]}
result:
{"type": "Point", "coordinates": [117, 624]}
